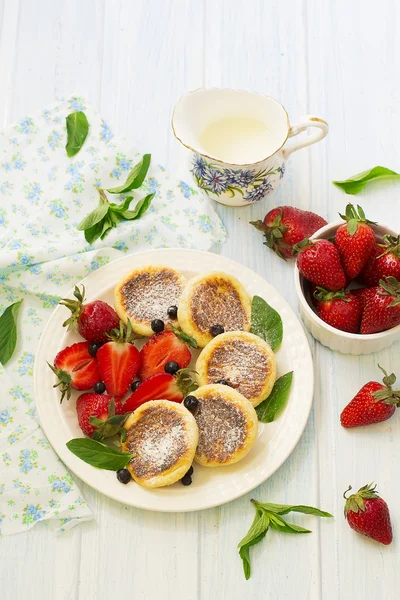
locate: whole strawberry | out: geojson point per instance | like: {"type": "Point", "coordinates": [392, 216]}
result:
{"type": "Point", "coordinates": [368, 514]}
{"type": "Point", "coordinates": [99, 415]}
{"type": "Point", "coordinates": [339, 309]}
{"type": "Point", "coordinates": [383, 262]}
{"type": "Point", "coordinates": [382, 309]}
{"type": "Point", "coordinates": [94, 320]}
{"type": "Point", "coordinates": [319, 262]}
{"type": "Point", "coordinates": [364, 294]}
{"type": "Point", "coordinates": [375, 402]}
{"type": "Point", "coordinates": [286, 226]}
{"type": "Point", "coordinates": [355, 240]}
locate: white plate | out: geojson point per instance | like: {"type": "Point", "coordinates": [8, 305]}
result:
{"type": "Point", "coordinates": [210, 487]}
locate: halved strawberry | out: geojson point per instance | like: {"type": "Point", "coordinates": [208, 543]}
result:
{"type": "Point", "coordinates": [119, 362]}
{"type": "Point", "coordinates": [162, 348]}
{"type": "Point", "coordinates": [99, 416]}
{"type": "Point", "coordinates": [75, 368]}
{"type": "Point", "coordinates": [161, 387]}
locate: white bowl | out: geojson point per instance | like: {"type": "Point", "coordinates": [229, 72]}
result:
{"type": "Point", "coordinates": [341, 341]}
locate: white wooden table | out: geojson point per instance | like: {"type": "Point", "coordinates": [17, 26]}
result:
{"type": "Point", "coordinates": [133, 59]}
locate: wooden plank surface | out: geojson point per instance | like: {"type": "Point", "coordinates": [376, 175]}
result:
{"type": "Point", "coordinates": [133, 59]}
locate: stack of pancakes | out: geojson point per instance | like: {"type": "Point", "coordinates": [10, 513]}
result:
{"type": "Point", "coordinates": [164, 436]}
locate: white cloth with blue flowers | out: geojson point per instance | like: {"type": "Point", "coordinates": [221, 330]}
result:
{"type": "Point", "coordinates": [43, 196]}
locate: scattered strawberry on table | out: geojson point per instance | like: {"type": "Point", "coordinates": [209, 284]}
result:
{"type": "Point", "coordinates": [382, 309]}
{"type": "Point", "coordinates": [368, 514]}
{"type": "Point", "coordinates": [93, 320]}
{"type": "Point", "coordinates": [286, 226]}
{"type": "Point", "coordinates": [375, 402]}
{"type": "Point", "coordinates": [75, 369]}
{"type": "Point", "coordinates": [339, 309]}
{"type": "Point", "coordinates": [384, 261]}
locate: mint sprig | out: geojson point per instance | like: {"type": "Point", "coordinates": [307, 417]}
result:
{"type": "Point", "coordinates": [270, 515]}
{"type": "Point", "coordinates": [266, 322]}
{"type": "Point", "coordinates": [77, 130]}
{"type": "Point", "coordinates": [135, 178]}
{"type": "Point", "coordinates": [273, 405]}
{"type": "Point", "coordinates": [98, 454]}
{"type": "Point", "coordinates": [8, 331]}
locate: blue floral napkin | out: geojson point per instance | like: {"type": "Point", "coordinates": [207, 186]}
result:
{"type": "Point", "coordinates": [43, 196]}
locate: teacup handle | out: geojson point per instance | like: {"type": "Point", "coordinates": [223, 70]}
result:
{"type": "Point", "coordinates": [321, 130]}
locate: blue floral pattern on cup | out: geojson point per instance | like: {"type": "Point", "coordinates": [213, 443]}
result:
{"type": "Point", "coordinates": [251, 184]}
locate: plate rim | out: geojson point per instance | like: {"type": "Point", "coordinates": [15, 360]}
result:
{"type": "Point", "coordinates": [67, 458]}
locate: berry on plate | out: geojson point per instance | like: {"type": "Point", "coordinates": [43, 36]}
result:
{"type": "Point", "coordinates": [119, 361]}
{"type": "Point", "coordinates": [383, 262]}
{"type": "Point", "coordinates": [286, 226]}
{"type": "Point", "coordinates": [340, 309]}
{"type": "Point", "coordinates": [375, 402]}
{"type": "Point", "coordinates": [161, 349]}
{"type": "Point", "coordinates": [319, 262]}
{"type": "Point", "coordinates": [355, 240]}
{"type": "Point", "coordinates": [162, 386]}
{"type": "Point", "coordinates": [99, 416]}
{"type": "Point", "coordinates": [75, 368]}
{"type": "Point", "coordinates": [382, 309]}
{"type": "Point", "coordinates": [94, 320]}
{"type": "Point", "coordinates": [368, 514]}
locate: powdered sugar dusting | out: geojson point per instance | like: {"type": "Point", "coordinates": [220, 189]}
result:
{"type": "Point", "coordinates": [222, 428]}
{"type": "Point", "coordinates": [217, 302]}
{"type": "Point", "coordinates": [158, 440]}
{"type": "Point", "coordinates": [148, 295]}
{"type": "Point", "coordinates": [243, 365]}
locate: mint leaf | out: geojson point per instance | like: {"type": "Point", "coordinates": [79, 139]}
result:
{"type": "Point", "coordinates": [8, 331]}
{"type": "Point", "coordinates": [94, 217]}
{"type": "Point", "coordinates": [284, 509]}
{"type": "Point", "coordinates": [139, 209]}
{"type": "Point", "coordinates": [135, 177]}
{"type": "Point", "coordinates": [77, 130]}
{"type": "Point", "coordinates": [355, 184]}
{"type": "Point", "coordinates": [256, 533]}
{"type": "Point", "coordinates": [266, 322]}
{"type": "Point", "coordinates": [284, 527]}
{"type": "Point", "coordinates": [99, 455]}
{"type": "Point", "coordinates": [269, 408]}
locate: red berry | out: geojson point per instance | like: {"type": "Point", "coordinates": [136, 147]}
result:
{"type": "Point", "coordinates": [375, 402]}
{"type": "Point", "coordinates": [94, 320]}
{"type": "Point", "coordinates": [364, 294]}
{"type": "Point", "coordinates": [382, 309]}
{"type": "Point", "coordinates": [98, 406]}
{"type": "Point", "coordinates": [355, 241]}
{"type": "Point", "coordinates": [286, 226]}
{"type": "Point", "coordinates": [339, 309]}
{"type": "Point", "coordinates": [75, 368]}
{"type": "Point", "coordinates": [319, 262]}
{"type": "Point", "coordinates": [160, 349]}
{"type": "Point", "coordinates": [384, 261]}
{"type": "Point", "coordinates": [369, 515]}
{"type": "Point", "coordinates": [119, 362]}
{"type": "Point", "coordinates": [158, 387]}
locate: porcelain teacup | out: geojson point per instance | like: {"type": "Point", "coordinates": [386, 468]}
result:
{"type": "Point", "coordinates": [260, 166]}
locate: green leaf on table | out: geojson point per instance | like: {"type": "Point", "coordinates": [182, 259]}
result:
{"type": "Point", "coordinates": [272, 406]}
{"type": "Point", "coordinates": [355, 184]}
{"type": "Point", "coordinates": [139, 210]}
{"type": "Point", "coordinates": [256, 533]}
{"type": "Point", "coordinates": [99, 455]}
{"type": "Point", "coordinates": [94, 217]}
{"type": "Point", "coordinates": [284, 527]}
{"type": "Point", "coordinates": [284, 509]}
{"type": "Point", "coordinates": [266, 322]}
{"type": "Point", "coordinates": [77, 130]}
{"type": "Point", "coordinates": [135, 178]}
{"type": "Point", "coordinates": [8, 331]}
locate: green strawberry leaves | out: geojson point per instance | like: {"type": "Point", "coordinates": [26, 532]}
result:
{"type": "Point", "coordinates": [98, 454]}
{"type": "Point", "coordinates": [266, 322]}
{"type": "Point", "coordinates": [355, 184]}
{"type": "Point", "coordinates": [270, 515]}
{"type": "Point", "coordinates": [108, 215]}
{"type": "Point", "coordinates": [353, 217]}
{"type": "Point", "coordinates": [276, 401]}
{"type": "Point", "coordinates": [8, 331]}
{"type": "Point", "coordinates": [110, 427]}
{"type": "Point", "coordinates": [77, 131]}
{"type": "Point", "coordinates": [183, 336]}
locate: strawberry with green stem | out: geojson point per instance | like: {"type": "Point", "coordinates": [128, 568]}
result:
{"type": "Point", "coordinates": [339, 309]}
{"type": "Point", "coordinates": [368, 514]}
{"type": "Point", "coordinates": [355, 240]}
{"type": "Point", "coordinates": [99, 415]}
{"type": "Point", "coordinates": [75, 369]}
{"type": "Point", "coordinates": [162, 386]}
{"type": "Point", "coordinates": [319, 262]}
{"type": "Point", "coordinates": [383, 262]}
{"type": "Point", "coordinates": [382, 309]}
{"type": "Point", "coordinates": [375, 402]}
